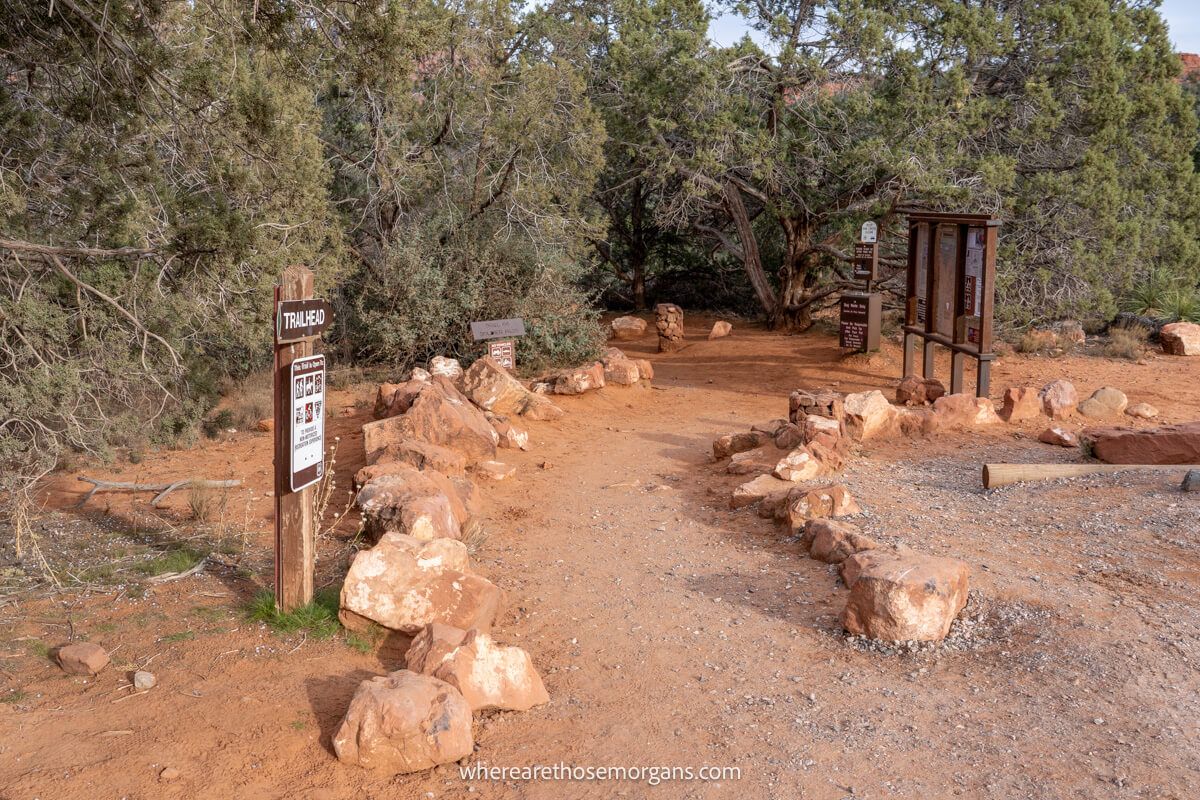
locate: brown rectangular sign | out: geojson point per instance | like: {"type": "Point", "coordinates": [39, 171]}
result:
{"type": "Point", "coordinates": [861, 320]}
{"type": "Point", "coordinates": [866, 261]}
{"type": "Point", "coordinates": [299, 319]}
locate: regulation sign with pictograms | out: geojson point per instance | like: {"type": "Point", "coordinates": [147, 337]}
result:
{"type": "Point", "coordinates": [307, 441]}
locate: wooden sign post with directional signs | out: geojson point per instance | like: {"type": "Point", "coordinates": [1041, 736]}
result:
{"type": "Point", "coordinates": [299, 392]}
{"type": "Point", "coordinates": [498, 333]}
{"type": "Point", "coordinates": [860, 317]}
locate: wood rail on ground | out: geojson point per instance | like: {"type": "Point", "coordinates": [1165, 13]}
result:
{"type": "Point", "coordinates": [1005, 474]}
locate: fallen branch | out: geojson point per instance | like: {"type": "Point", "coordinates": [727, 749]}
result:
{"type": "Point", "coordinates": [163, 489]}
{"type": "Point", "coordinates": [167, 577]}
{"type": "Point", "coordinates": [1005, 474]}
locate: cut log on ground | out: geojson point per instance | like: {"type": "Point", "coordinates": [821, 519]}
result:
{"type": "Point", "coordinates": [995, 475]}
{"type": "Point", "coordinates": [163, 489]}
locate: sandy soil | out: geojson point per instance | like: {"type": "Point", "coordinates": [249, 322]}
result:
{"type": "Point", "coordinates": [670, 631]}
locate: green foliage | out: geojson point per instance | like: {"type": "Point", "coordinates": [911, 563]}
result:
{"type": "Point", "coordinates": [318, 619]}
{"type": "Point", "coordinates": [176, 560]}
{"type": "Point", "coordinates": [1164, 296]}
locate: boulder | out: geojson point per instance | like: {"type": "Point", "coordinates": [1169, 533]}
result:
{"type": "Point", "coordinates": [266, 425]}
{"type": "Point", "coordinates": [404, 722]}
{"type": "Point", "coordinates": [448, 368]}
{"type": "Point", "coordinates": [439, 415]}
{"type": "Point", "coordinates": [964, 411]}
{"type": "Point", "coordinates": [1141, 411]}
{"type": "Point", "coordinates": [404, 584]}
{"type": "Point", "coordinates": [625, 329]}
{"type": "Point", "coordinates": [752, 492]}
{"type": "Point", "coordinates": [579, 380]}
{"type": "Point", "coordinates": [495, 470]}
{"type": "Point", "coordinates": [511, 435]}
{"type": "Point", "coordinates": [917, 391]}
{"type": "Point", "coordinates": [1058, 436]}
{"type": "Point", "coordinates": [645, 368]}
{"type": "Point", "coordinates": [730, 443]}
{"type": "Point", "coordinates": [830, 459]}
{"type": "Point", "coordinates": [853, 566]}
{"type": "Point", "coordinates": [868, 415]}
{"type": "Point", "coordinates": [81, 658]}
{"type": "Point", "coordinates": [816, 427]}
{"type": "Point", "coordinates": [1021, 403]}
{"type": "Point", "coordinates": [1170, 444]}
{"type": "Point", "coordinates": [539, 407]}
{"type": "Point", "coordinates": [804, 504]}
{"type": "Point", "coordinates": [789, 436]}
{"type": "Point", "coordinates": [1180, 339]}
{"type": "Point", "coordinates": [488, 675]}
{"type": "Point", "coordinates": [621, 372]}
{"type": "Point", "coordinates": [751, 462]}
{"type": "Point", "coordinates": [833, 542]}
{"type": "Point", "coordinates": [407, 501]}
{"type": "Point", "coordinates": [720, 329]}
{"type": "Point", "coordinates": [491, 387]}
{"type": "Point", "coordinates": [919, 421]}
{"type": "Point", "coordinates": [1104, 402]}
{"type": "Point", "coordinates": [906, 597]}
{"type": "Point", "coordinates": [669, 324]}
{"type": "Point", "coordinates": [1059, 399]}
{"type": "Point", "coordinates": [798, 465]}
{"type": "Point", "coordinates": [396, 398]}
{"type": "Point", "coordinates": [1191, 481]}
{"type": "Point", "coordinates": [419, 454]}
{"type": "Point", "coordinates": [769, 427]}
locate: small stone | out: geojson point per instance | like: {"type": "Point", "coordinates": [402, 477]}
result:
{"type": "Point", "coordinates": [720, 329]}
{"type": "Point", "coordinates": [168, 774]}
{"type": "Point", "coordinates": [1058, 436]}
{"type": "Point", "coordinates": [83, 658]}
{"type": "Point", "coordinates": [1141, 411]}
{"type": "Point", "coordinates": [143, 680]}
{"type": "Point", "coordinates": [1020, 403]}
{"type": "Point", "coordinates": [1191, 481]}
{"type": "Point", "coordinates": [496, 470]}
{"type": "Point", "coordinates": [266, 425]}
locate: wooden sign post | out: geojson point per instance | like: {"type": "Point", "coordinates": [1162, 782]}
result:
{"type": "Point", "coordinates": [951, 286]}
{"type": "Point", "coordinates": [299, 389]}
{"type": "Point", "coordinates": [860, 314]}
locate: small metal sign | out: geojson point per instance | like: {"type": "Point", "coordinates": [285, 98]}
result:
{"type": "Point", "coordinates": [870, 232]}
{"type": "Point", "coordinates": [296, 320]}
{"type": "Point", "coordinates": [307, 421]}
{"type": "Point", "coordinates": [504, 352]}
{"type": "Point", "coordinates": [866, 261]}
{"type": "Point", "coordinates": [497, 329]}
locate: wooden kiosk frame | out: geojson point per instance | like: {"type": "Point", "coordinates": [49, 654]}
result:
{"type": "Point", "coordinates": [950, 293]}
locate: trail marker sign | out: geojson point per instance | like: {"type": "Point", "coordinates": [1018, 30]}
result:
{"type": "Point", "coordinates": [296, 320]}
{"type": "Point", "coordinates": [870, 232]}
{"type": "Point", "coordinates": [307, 439]}
{"type": "Point", "coordinates": [497, 329]}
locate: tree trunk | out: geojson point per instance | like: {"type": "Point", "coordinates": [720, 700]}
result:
{"type": "Point", "coordinates": [639, 287]}
{"type": "Point", "coordinates": [751, 257]}
{"type": "Point", "coordinates": [639, 248]}
{"type": "Point", "coordinates": [797, 279]}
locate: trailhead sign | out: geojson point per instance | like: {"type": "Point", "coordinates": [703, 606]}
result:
{"type": "Point", "coordinates": [307, 441]}
{"type": "Point", "coordinates": [299, 319]}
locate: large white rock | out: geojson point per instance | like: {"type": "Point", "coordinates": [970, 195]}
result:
{"type": "Point", "coordinates": [868, 415]}
{"type": "Point", "coordinates": [404, 722]}
{"type": "Point", "coordinates": [488, 675]}
{"type": "Point", "coordinates": [404, 584]}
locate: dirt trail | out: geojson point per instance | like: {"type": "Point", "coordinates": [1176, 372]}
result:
{"type": "Point", "coordinates": [672, 632]}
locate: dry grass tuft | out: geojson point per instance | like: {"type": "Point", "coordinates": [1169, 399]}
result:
{"type": "Point", "coordinates": [1128, 343]}
{"type": "Point", "coordinates": [474, 535]}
